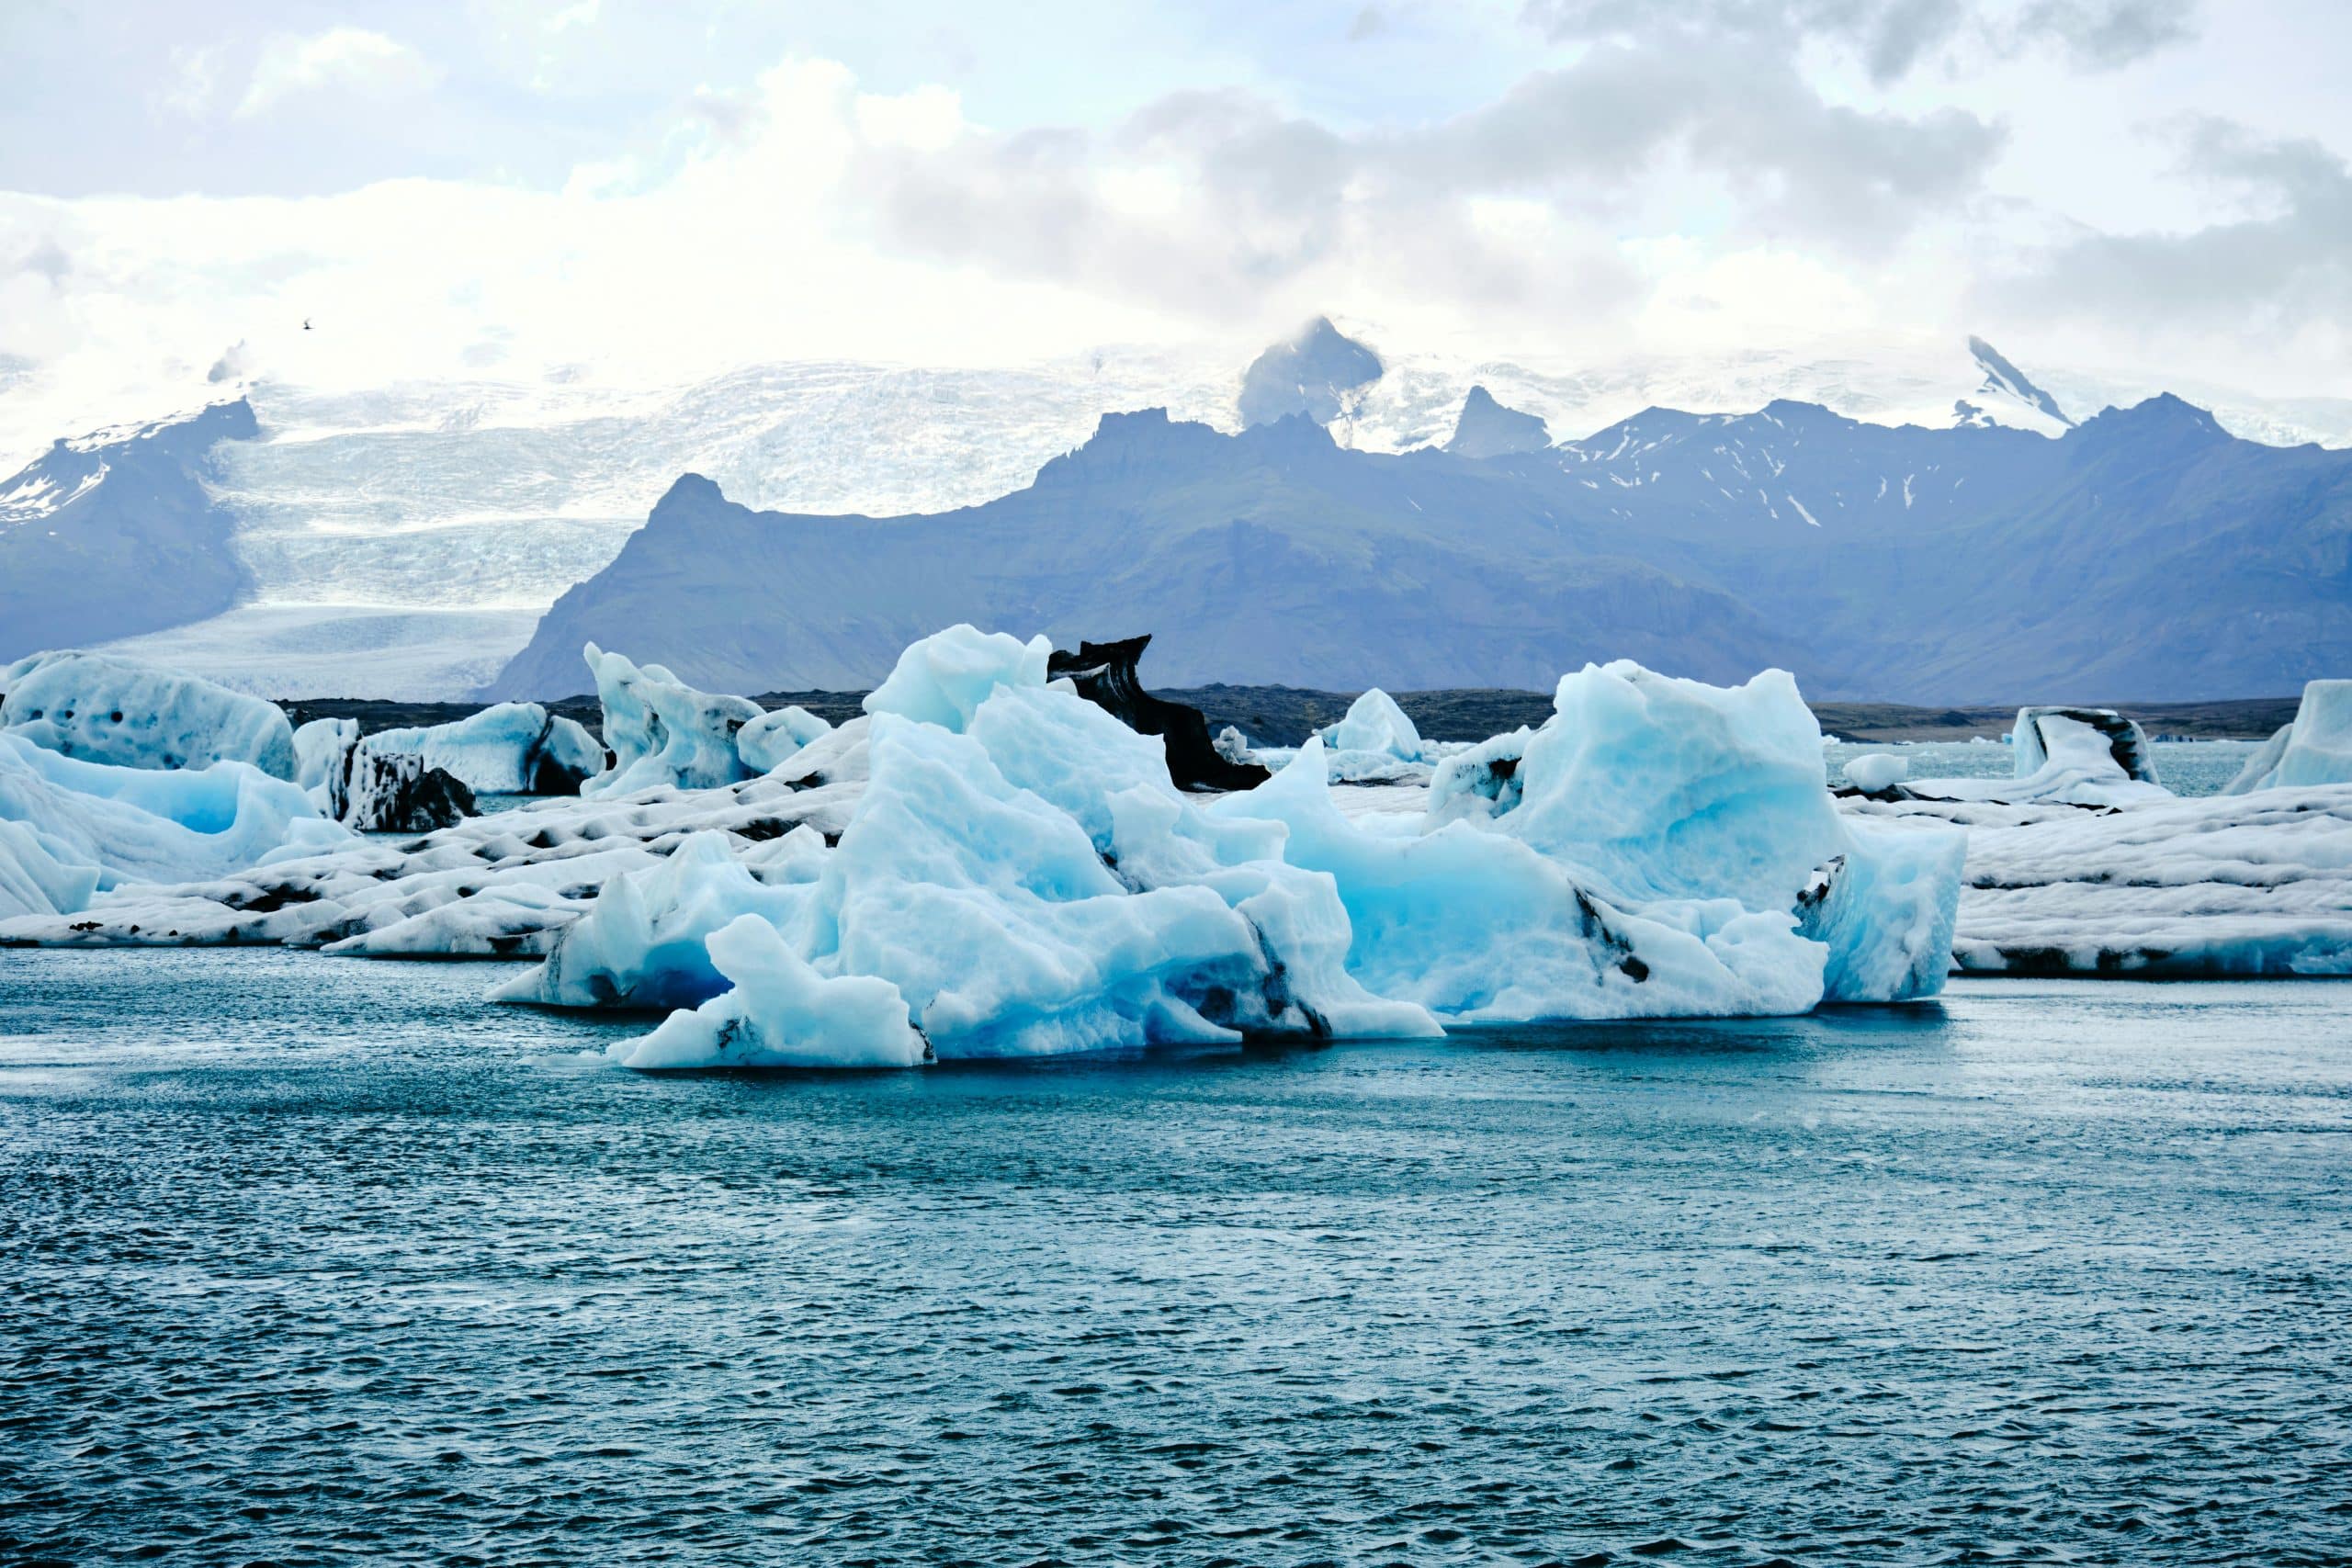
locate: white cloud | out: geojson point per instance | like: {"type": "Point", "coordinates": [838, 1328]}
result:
{"type": "Point", "coordinates": [196, 76]}
{"type": "Point", "coordinates": [353, 59]}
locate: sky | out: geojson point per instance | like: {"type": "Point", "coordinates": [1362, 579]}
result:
{"type": "Point", "coordinates": [641, 193]}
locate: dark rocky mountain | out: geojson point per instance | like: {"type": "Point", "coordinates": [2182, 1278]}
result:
{"type": "Point", "coordinates": [2145, 555]}
{"type": "Point", "coordinates": [1487, 429]}
{"type": "Point", "coordinates": [1311, 374]}
{"type": "Point", "coordinates": [115, 534]}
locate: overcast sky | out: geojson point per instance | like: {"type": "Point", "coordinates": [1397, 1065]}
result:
{"type": "Point", "coordinates": [625, 189]}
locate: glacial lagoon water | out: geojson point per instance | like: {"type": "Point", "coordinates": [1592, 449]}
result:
{"type": "Point", "coordinates": [310, 1260]}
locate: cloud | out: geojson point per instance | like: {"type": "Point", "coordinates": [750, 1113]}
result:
{"type": "Point", "coordinates": [2278, 268]}
{"type": "Point", "coordinates": [353, 59]}
{"type": "Point", "coordinates": [1891, 38]}
{"type": "Point", "coordinates": [1205, 196]}
{"type": "Point", "coordinates": [196, 76]}
{"type": "Point", "coordinates": [235, 364]}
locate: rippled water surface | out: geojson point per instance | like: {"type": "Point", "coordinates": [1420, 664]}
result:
{"type": "Point", "coordinates": [309, 1261]}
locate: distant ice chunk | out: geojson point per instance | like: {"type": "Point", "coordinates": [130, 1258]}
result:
{"type": "Point", "coordinates": [507, 749]}
{"type": "Point", "coordinates": [1876, 771]}
{"type": "Point", "coordinates": [2314, 747]}
{"type": "Point", "coordinates": [2041, 734]}
{"type": "Point", "coordinates": [1374, 723]}
{"type": "Point", "coordinates": [662, 731]}
{"type": "Point", "coordinates": [769, 740]}
{"type": "Point", "coordinates": [2063, 756]}
{"type": "Point", "coordinates": [101, 707]}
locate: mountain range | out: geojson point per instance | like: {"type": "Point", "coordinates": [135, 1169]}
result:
{"type": "Point", "coordinates": [2145, 552]}
{"type": "Point", "coordinates": [1935, 528]}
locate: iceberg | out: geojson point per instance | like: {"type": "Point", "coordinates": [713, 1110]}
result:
{"type": "Point", "coordinates": [662, 731]}
{"type": "Point", "coordinates": [781, 1013]}
{"type": "Point", "coordinates": [1646, 853]}
{"type": "Point", "coordinates": [101, 707]}
{"type": "Point", "coordinates": [2090, 757]}
{"type": "Point", "coordinates": [2313, 747]}
{"type": "Point", "coordinates": [768, 741]}
{"type": "Point", "coordinates": [507, 749]}
{"type": "Point", "coordinates": [943, 679]}
{"type": "Point", "coordinates": [1875, 772]}
{"type": "Point", "coordinates": [642, 945]}
{"type": "Point", "coordinates": [1374, 723]}
{"type": "Point", "coordinates": [34, 881]}
{"type": "Point", "coordinates": [144, 825]}
{"type": "Point", "coordinates": [1376, 742]}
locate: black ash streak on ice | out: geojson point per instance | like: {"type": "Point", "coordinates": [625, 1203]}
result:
{"type": "Point", "coordinates": [318, 1261]}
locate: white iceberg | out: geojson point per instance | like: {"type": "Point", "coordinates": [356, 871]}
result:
{"type": "Point", "coordinates": [101, 707]}
{"type": "Point", "coordinates": [943, 679]}
{"type": "Point", "coordinates": [1374, 723]}
{"type": "Point", "coordinates": [2089, 756]}
{"type": "Point", "coordinates": [143, 824]}
{"type": "Point", "coordinates": [662, 731]}
{"type": "Point", "coordinates": [34, 881]}
{"type": "Point", "coordinates": [781, 1013]}
{"type": "Point", "coordinates": [768, 741]}
{"type": "Point", "coordinates": [2314, 747]}
{"type": "Point", "coordinates": [507, 749]}
{"type": "Point", "coordinates": [1376, 742]}
{"type": "Point", "coordinates": [1876, 771]}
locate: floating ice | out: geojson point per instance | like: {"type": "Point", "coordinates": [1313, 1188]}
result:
{"type": "Point", "coordinates": [642, 945]}
{"type": "Point", "coordinates": [1374, 723]}
{"type": "Point", "coordinates": [508, 748]}
{"type": "Point", "coordinates": [2063, 756]}
{"type": "Point", "coordinates": [33, 880]}
{"type": "Point", "coordinates": [2314, 747]}
{"type": "Point", "coordinates": [144, 825]}
{"type": "Point", "coordinates": [769, 740]}
{"type": "Point", "coordinates": [662, 731]}
{"type": "Point", "coordinates": [1645, 852]}
{"type": "Point", "coordinates": [782, 1013]}
{"type": "Point", "coordinates": [1876, 771]}
{"type": "Point", "coordinates": [101, 707]}
{"type": "Point", "coordinates": [2252, 885]}
{"type": "Point", "coordinates": [943, 679]}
